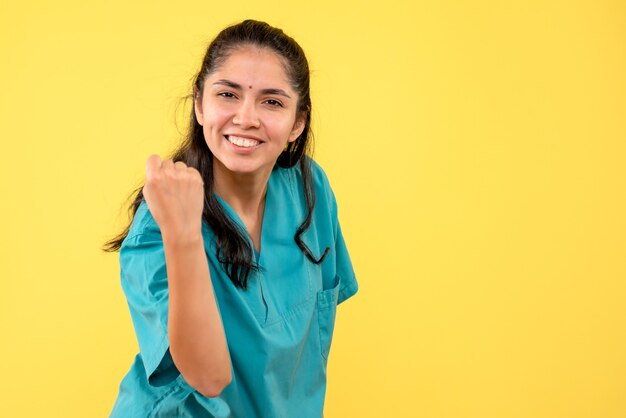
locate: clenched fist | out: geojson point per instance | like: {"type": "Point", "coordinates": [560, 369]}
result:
{"type": "Point", "coordinates": [174, 193]}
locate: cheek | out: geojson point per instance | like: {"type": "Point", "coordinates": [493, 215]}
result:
{"type": "Point", "coordinates": [280, 127]}
{"type": "Point", "coordinates": [211, 117]}
{"type": "Point", "coordinates": [213, 125]}
{"type": "Point", "coordinates": [216, 117]}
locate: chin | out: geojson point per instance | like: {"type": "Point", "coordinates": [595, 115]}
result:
{"type": "Point", "coordinates": [242, 167]}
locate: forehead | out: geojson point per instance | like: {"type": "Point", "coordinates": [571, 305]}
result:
{"type": "Point", "coordinates": [254, 67]}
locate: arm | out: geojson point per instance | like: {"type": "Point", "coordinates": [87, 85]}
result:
{"type": "Point", "coordinates": [197, 340]}
{"type": "Point", "coordinates": [175, 196]}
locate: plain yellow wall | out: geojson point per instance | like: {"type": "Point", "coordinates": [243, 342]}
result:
{"type": "Point", "coordinates": [477, 150]}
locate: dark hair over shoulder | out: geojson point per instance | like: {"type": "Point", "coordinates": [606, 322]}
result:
{"type": "Point", "coordinates": [233, 248]}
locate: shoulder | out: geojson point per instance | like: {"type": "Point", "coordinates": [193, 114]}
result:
{"type": "Point", "coordinates": [323, 190]}
{"type": "Point", "coordinates": [317, 178]}
{"type": "Point", "coordinates": [324, 214]}
{"type": "Point", "coordinates": [143, 225]}
{"type": "Point", "coordinates": [319, 175]}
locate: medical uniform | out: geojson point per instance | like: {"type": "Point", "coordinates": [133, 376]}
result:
{"type": "Point", "coordinates": [278, 331]}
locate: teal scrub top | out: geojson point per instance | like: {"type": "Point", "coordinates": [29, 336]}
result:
{"type": "Point", "coordinates": [278, 331]}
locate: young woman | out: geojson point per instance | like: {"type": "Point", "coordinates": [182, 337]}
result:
{"type": "Point", "coordinates": [234, 262]}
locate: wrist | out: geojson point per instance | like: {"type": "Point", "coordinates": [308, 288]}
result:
{"type": "Point", "coordinates": [182, 239]}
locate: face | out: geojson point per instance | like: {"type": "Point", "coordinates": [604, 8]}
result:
{"type": "Point", "coordinates": [247, 110]}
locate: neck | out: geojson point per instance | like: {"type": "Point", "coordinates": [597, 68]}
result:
{"type": "Point", "coordinates": [244, 193]}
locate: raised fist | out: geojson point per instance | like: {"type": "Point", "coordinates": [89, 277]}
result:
{"type": "Point", "coordinates": [174, 193]}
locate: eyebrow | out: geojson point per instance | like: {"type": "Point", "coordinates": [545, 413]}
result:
{"type": "Point", "coordinates": [236, 86]}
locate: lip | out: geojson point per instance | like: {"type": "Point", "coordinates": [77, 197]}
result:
{"type": "Point", "coordinates": [247, 136]}
{"type": "Point", "coordinates": [243, 150]}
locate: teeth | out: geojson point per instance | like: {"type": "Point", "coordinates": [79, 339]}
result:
{"type": "Point", "coordinates": [242, 142]}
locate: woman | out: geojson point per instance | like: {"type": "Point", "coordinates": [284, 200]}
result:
{"type": "Point", "coordinates": [234, 262]}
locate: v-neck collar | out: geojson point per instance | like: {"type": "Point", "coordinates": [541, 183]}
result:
{"type": "Point", "coordinates": [269, 207]}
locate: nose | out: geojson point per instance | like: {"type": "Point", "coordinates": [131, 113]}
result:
{"type": "Point", "coordinates": [246, 115]}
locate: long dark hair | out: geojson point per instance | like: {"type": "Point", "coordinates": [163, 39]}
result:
{"type": "Point", "coordinates": [234, 250]}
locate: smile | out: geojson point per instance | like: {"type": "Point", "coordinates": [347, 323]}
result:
{"type": "Point", "coordinates": [242, 142]}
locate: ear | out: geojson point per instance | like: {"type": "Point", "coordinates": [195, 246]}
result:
{"type": "Point", "coordinates": [298, 127]}
{"type": "Point", "coordinates": [197, 104]}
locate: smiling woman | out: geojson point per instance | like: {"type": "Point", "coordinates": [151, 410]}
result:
{"type": "Point", "coordinates": [246, 129]}
{"type": "Point", "coordinates": [234, 262]}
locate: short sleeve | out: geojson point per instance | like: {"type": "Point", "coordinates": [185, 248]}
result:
{"type": "Point", "coordinates": [144, 281]}
{"type": "Point", "coordinates": [348, 285]}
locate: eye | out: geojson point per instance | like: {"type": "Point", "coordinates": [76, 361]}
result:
{"type": "Point", "coordinates": [274, 103]}
{"type": "Point", "coordinates": [226, 94]}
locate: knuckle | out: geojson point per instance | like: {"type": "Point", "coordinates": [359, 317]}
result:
{"type": "Point", "coordinates": [195, 175]}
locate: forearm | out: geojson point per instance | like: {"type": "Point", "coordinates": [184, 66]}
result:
{"type": "Point", "coordinates": [197, 340]}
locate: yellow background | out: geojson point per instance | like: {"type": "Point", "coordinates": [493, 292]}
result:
{"type": "Point", "coordinates": [477, 150]}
